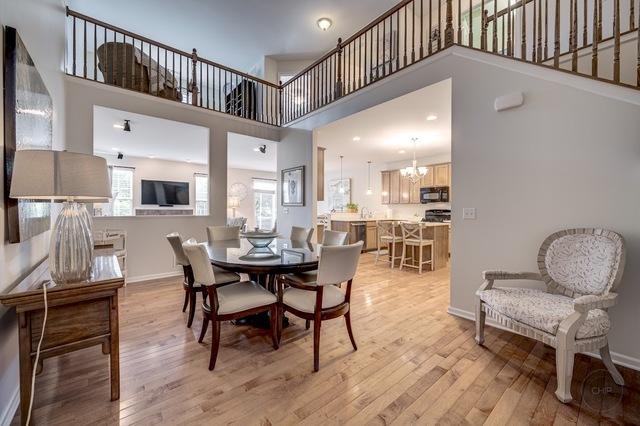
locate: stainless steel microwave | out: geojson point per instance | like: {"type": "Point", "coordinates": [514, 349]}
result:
{"type": "Point", "coordinates": [434, 194]}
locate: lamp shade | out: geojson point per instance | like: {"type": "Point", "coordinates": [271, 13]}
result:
{"type": "Point", "coordinates": [59, 175]}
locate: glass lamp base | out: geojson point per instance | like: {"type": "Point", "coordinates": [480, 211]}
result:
{"type": "Point", "coordinates": [71, 250]}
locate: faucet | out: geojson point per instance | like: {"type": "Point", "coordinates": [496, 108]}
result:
{"type": "Point", "coordinates": [362, 213]}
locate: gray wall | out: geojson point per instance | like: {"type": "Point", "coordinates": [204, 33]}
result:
{"type": "Point", "coordinates": [296, 149]}
{"type": "Point", "coordinates": [40, 24]}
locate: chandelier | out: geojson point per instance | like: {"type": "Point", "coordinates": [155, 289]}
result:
{"type": "Point", "coordinates": [413, 172]}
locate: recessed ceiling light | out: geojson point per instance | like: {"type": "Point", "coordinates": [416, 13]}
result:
{"type": "Point", "coordinates": [356, 138]}
{"type": "Point", "coordinates": [402, 151]}
{"type": "Point", "coordinates": [118, 126]}
{"type": "Point", "coordinates": [324, 23]}
{"type": "Point", "coordinates": [432, 117]}
{"type": "Point", "coordinates": [115, 148]}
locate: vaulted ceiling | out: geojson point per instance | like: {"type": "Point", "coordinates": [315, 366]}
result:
{"type": "Point", "coordinates": [238, 33]}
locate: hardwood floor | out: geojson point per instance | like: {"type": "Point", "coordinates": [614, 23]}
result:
{"type": "Point", "coordinates": [415, 364]}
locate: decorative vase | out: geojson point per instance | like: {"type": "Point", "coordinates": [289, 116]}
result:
{"type": "Point", "coordinates": [71, 250]}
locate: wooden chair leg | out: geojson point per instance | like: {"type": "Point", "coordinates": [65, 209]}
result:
{"type": "Point", "coordinates": [192, 307]}
{"type": "Point", "coordinates": [203, 331]}
{"type": "Point", "coordinates": [307, 324]}
{"type": "Point", "coordinates": [347, 320]}
{"type": "Point", "coordinates": [280, 311]}
{"type": "Point", "coordinates": [316, 345]}
{"type": "Point", "coordinates": [404, 253]}
{"type": "Point", "coordinates": [419, 260]}
{"type": "Point", "coordinates": [480, 320]}
{"type": "Point", "coordinates": [606, 359]}
{"type": "Point", "coordinates": [215, 344]}
{"type": "Point", "coordinates": [186, 300]}
{"type": "Point", "coordinates": [392, 249]}
{"type": "Point", "coordinates": [273, 317]}
{"type": "Point", "coordinates": [564, 371]}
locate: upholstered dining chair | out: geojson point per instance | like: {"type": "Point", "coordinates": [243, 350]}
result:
{"type": "Point", "coordinates": [227, 303]}
{"type": "Point", "coordinates": [190, 288]}
{"type": "Point", "coordinates": [299, 233]}
{"type": "Point", "coordinates": [387, 236]}
{"type": "Point", "coordinates": [319, 300]}
{"type": "Point", "coordinates": [582, 269]}
{"type": "Point", "coordinates": [334, 238]}
{"type": "Point", "coordinates": [223, 233]}
{"type": "Point", "coordinates": [412, 237]}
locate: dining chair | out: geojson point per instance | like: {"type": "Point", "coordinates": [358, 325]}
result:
{"type": "Point", "coordinates": [387, 236]}
{"type": "Point", "coordinates": [190, 289]}
{"type": "Point", "coordinates": [227, 303]}
{"type": "Point", "coordinates": [334, 238]}
{"type": "Point", "coordinates": [299, 233]}
{"type": "Point", "coordinates": [322, 300]}
{"type": "Point", "coordinates": [223, 233]}
{"type": "Point", "coordinates": [412, 236]}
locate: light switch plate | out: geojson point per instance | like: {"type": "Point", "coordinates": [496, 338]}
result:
{"type": "Point", "coordinates": [469, 213]}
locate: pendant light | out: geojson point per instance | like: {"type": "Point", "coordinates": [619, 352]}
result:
{"type": "Point", "coordinates": [369, 190]}
{"type": "Point", "coordinates": [341, 189]}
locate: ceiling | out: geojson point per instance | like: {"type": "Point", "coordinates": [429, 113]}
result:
{"type": "Point", "coordinates": [241, 153]}
{"type": "Point", "coordinates": [149, 137]}
{"type": "Point", "coordinates": [238, 33]}
{"type": "Point", "coordinates": [386, 129]}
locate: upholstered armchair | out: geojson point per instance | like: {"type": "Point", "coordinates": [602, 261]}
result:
{"type": "Point", "coordinates": [581, 269]}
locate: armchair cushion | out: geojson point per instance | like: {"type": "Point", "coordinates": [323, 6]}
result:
{"type": "Point", "coordinates": [242, 296]}
{"type": "Point", "coordinates": [542, 310]}
{"type": "Point", "coordinates": [305, 300]}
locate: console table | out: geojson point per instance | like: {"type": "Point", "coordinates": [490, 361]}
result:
{"type": "Point", "coordinates": [79, 315]}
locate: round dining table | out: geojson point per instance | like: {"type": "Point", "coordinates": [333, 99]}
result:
{"type": "Point", "coordinates": [263, 265]}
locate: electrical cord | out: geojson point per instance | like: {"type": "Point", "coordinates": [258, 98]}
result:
{"type": "Point", "coordinates": [35, 364]}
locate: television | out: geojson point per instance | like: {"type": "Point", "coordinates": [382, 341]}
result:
{"type": "Point", "coordinates": [165, 193]}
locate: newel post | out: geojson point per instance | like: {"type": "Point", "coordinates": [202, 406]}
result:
{"type": "Point", "coordinates": [338, 89]}
{"type": "Point", "coordinates": [193, 86]}
{"type": "Point", "coordinates": [448, 31]}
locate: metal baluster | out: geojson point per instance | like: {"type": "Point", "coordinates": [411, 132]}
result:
{"type": "Point", "coordinates": [84, 48]}
{"type": "Point", "coordinates": [584, 23]}
{"type": "Point", "coordinates": [470, 23]}
{"type": "Point", "coordinates": [556, 36]}
{"type": "Point", "coordinates": [448, 32]}
{"type": "Point", "coordinates": [632, 14]}
{"type": "Point", "coordinates": [539, 50]}
{"type": "Point", "coordinates": [483, 27]}
{"type": "Point", "coordinates": [338, 91]}
{"type": "Point", "coordinates": [599, 19]}
{"type": "Point", "coordinates": [421, 29]}
{"type": "Point", "coordinates": [95, 52]}
{"type": "Point", "coordinates": [494, 38]}
{"type": "Point", "coordinates": [397, 40]}
{"type": "Point", "coordinates": [105, 75]}
{"type": "Point", "coordinates": [149, 56]}
{"type": "Point", "coordinates": [440, 26]}
{"type": "Point", "coordinates": [546, 29]}
{"type": "Point", "coordinates": [124, 62]}
{"type": "Point", "coordinates": [574, 32]}
{"type": "Point", "coordinates": [459, 21]}
{"type": "Point", "coordinates": [523, 38]}
{"type": "Point", "coordinates": [533, 39]}
{"type": "Point", "coordinates": [405, 40]}
{"type": "Point", "coordinates": [594, 44]}
{"type": "Point", "coordinates": [193, 86]}
{"type": "Point", "coordinates": [73, 67]}
{"type": "Point", "coordinates": [509, 30]}
{"type": "Point", "coordinates": [616, 35]}
{"type": "Point", "coordinates": [413, 30]}
{"type": "Point", "coordinates": [429, 40]}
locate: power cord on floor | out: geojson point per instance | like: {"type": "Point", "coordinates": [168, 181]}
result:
{"type": "Point", "coordinates": [35, 364]}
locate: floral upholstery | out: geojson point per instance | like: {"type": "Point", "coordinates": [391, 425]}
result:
{"type": "Point", "coordinates": [543, 311]}
{"type": "Point", "coordinates": [582, 263]}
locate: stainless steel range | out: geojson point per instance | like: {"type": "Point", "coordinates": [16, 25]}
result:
{"type": "Point", "coordinates": [437, 215]}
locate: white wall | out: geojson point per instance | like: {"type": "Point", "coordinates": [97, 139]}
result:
{"type": "Point", "coordinates": [155, 169]}
{"type": "Point", "coordinates": [40, 24]}
{"type": "Point", "coordinates": [247, 206]}
{"type": "Point", "coordinates": [568, 158]}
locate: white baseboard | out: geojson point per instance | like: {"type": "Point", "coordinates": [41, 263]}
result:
{"type": "Point", "coordinates": [618, 358]}
{"type": "Point", "coordinates": [9, 410]}
{"type": "Point", "coordinates": [140, 278]}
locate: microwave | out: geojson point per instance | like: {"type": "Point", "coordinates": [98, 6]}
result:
{"type": "Point", "coordinates": [434, 194]}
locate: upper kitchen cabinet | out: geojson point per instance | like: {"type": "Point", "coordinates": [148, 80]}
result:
{"type": "Point", "coordinates": [441, 174]}
{"type": "Point", "coordinates": [397, 189]}
{"type": "Point", "coordinates": [320, 181]}
{"type": "Point", "coordinates": [427, 180]}
{"type": "Point", "coordinates": [385, 188]}
{"type": "Point", "coordinates": [394, 187]}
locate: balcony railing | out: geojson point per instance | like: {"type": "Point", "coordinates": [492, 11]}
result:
{"type": "Point", "coordinates": [586, 37]}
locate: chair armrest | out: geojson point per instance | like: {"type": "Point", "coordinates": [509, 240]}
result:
{"type": "Point", "coordinates": [589, 302]}
{"type": "Point", "coordinates": [299, 285]}
{"type": "Point", "coordinates": [504, 275]}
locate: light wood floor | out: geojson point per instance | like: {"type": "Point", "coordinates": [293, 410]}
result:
{"type": "Point", "coordinates": [415, 364]}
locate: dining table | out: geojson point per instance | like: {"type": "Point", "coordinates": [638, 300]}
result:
{"type": "Point", "coordinates": [264, 264]}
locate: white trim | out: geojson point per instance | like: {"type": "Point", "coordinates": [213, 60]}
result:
{"type": "Point", "coordinates": [150, 277]}
{"type": "Point", "coordinates": [9, 411]}
{"type": "Point", "coordinates": [618, 358]}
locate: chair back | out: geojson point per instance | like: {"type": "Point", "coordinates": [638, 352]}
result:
{"type": "Point", "coordinates": [386, 228]}
{"type": "Point", "coordinates": [338, 263]}
{"type": "Point", "coordinates": [584, 261]}
{"type": "Point", "coordinates": [176, 244]}
{"type": "Point", "coordinates": [411, 231]}
{"type": "Point", "coordinates": [223, 233]}
{"type": "Point", "coordinates": [200, 263]}
{"type": "Point", "coordinates": [334, 238]}
{"type": "Point", "coordinates": [299, 233]}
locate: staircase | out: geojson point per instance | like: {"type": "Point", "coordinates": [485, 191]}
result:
{"type": "Point", "coordinates": [596, 39]}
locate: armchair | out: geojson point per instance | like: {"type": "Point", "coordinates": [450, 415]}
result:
{"type": "Point", "coordinates": [581, 269]}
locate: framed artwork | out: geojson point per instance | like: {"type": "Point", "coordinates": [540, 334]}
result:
{"type": "Point", "coordinates": [292, 187]}
{"type": "Point", "coordinates": [338, 199]}
{"type": "Point", "coordinates": [28, 123]}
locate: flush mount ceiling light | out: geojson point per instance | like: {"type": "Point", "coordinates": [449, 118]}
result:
{"type": "Point", "coordinates": [432, 117]}
{"type": "Point", "coordinates": [402, 151]}
{"type": "Point", "coordinates": [324, 23]}
{"type": "Point", "coordinates": [356, 138]}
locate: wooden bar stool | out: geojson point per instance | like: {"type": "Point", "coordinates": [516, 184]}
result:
{"type": "Point", "coordinates": [387, 236]}
{"type": "Point", "coordinates": [412, 237]}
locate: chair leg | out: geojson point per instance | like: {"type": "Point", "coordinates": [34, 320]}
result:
{"type": "Point", "coordinates": [404, 253]}
{"type": "Point", "coordinates": [419, 260]}
{"type": "Point", "coordinates": [347, 320]}
{"type": "Point", "coordinates": [280, 311]}
{"type": "Point", "coordinates": [273, 317]}
{"type": "Point", "coordinates": [307, 324]}
{"type": "Point", "coordinates": [215, 344]}
{"type": "Point", "coordinates": [203, 331]}
{"type": "Point", "coordinates": [316, 345]}
{"type": "Point", "coordinates": [192, 307]}
{"type": "Point", "coordinates": [606, 359]}
{"type": "Point", "coordinates": [186, 300]}
{"type": "Point", "coordinates": [480, 320]}
{"type": "Point", "coordinates": [564, 371]}
{"type": "Point", "coordinates": [392, 249]}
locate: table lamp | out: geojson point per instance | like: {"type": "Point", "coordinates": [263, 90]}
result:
{"type": "Point", "coordinates": [234, 203]}
{"type": "Point", "coordinates": [74, 179]}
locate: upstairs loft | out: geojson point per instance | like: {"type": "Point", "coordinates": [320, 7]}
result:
{"type": "Point", "coordinates": [556, 34]}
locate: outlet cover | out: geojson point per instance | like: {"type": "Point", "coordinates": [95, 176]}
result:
{"type": "Point", "coordinates": [469, 213]}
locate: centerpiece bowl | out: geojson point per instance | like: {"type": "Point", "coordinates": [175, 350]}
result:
{"type": "Point", "coordinates": [259, 239]}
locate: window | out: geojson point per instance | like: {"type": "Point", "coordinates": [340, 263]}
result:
{"type": "Point", "coordinates": [202, 194]}
{"type": "Point", "coordinates": [264, 194]}
{"type": "Point", "coordinates": [122, 191]}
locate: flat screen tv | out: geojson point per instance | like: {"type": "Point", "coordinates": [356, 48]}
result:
{"type": "Point", "coordinates": [165, 193]}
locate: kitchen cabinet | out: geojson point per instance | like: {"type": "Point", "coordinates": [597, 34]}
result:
{"type": "Point", "coordinates": [441, 175]}
{"type": "Point", "coordinates": [427, 180]}
{"type": "Point", "coordinates": [414, 195]}
{"type": "Point", "coordinates": [320, 180]}
{"type": "Point", "coordinates": [394, 187]}
{"type": "Point", "coordinates": [405, 190]}
{"type": "Point", "coordinates": [397, 189]}
{"type": "Point", "coordinates": [385, 188]}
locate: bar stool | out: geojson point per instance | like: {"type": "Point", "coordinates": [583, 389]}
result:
{"type": "Point", "coordinates": [387, 236]}
{"type": "Point", "coordinates": [412, 237]}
